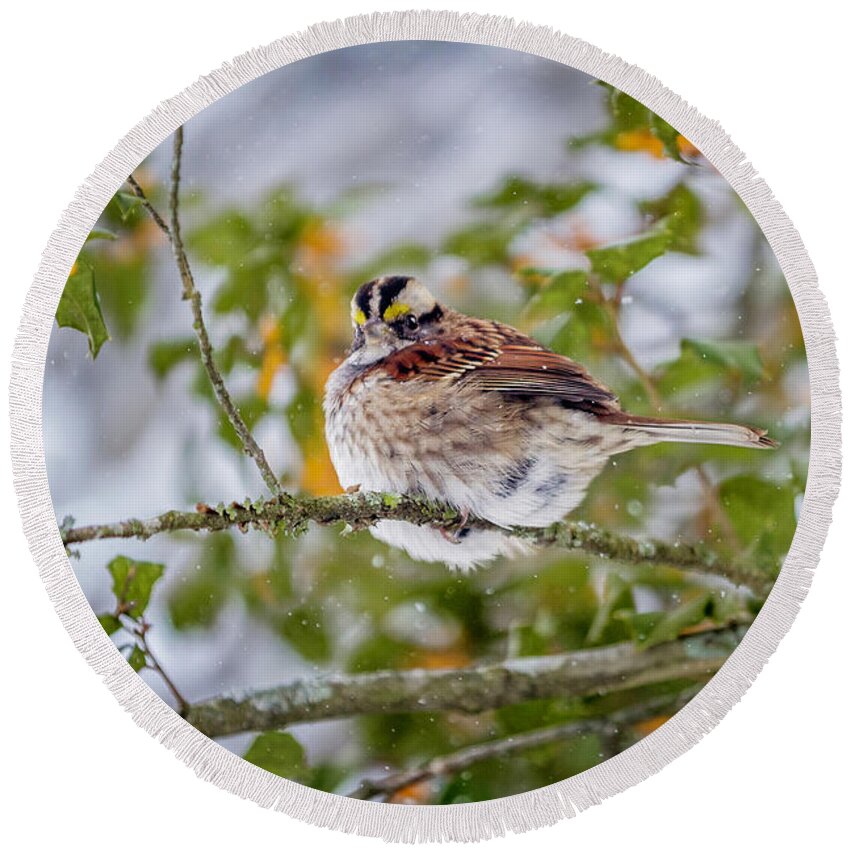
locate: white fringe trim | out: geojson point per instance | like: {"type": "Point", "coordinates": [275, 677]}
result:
{"type": "Point", "coordinates": [468, 821]}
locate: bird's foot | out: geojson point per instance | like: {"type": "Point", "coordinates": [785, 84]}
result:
{"type": "Point", "coordinates": [458, 531]}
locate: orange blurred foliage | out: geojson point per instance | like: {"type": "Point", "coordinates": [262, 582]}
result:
{"type": "Point", "coordinates": [273, 356]}
{"type": "Point", "coordinates": [644, 727]}
{"type": "Point", "coordinates": [318, 475]}
{"type": "Point", "coordinates": [640, 140]}
{"type": "Point", "coordinates": [413, 795]}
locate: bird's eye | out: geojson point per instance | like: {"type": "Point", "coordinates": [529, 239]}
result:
{"type": "Point", "coordinates": [411, 323]}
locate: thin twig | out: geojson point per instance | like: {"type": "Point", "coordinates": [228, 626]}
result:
{"type": "Point", "coordinates": [153, 663]}
{"type": "Point", "coordinates": [587, 672]}
{"type": "Point", "coordinates": [612, 306]}
{"type": "Point", "coordinates": [611, 728]}
{"type": "Point", "coordinates": [193, 296]}
{"type": "Point", "coordinates": [292, 515]}
{"type": "Point", "coordinates": [140, 194]}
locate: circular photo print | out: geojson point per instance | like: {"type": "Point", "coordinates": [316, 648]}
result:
{"type": "Point", "coordinates": [426, 422]}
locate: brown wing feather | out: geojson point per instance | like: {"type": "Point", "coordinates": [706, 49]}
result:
{"type": "Point", "coordinates": [527, 369]}
{"type": "Point", "coordinates": [500, 359]}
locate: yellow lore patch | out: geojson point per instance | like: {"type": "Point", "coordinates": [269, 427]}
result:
{"type": "Point", "coordinates": [396, 310]}
{"type": "Point", "coordinates": [358, 317]}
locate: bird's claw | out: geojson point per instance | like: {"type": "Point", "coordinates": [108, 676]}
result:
{"type": "Point", "coordinates": [455, 534]}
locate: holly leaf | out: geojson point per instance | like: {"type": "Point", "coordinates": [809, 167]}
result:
{"type": "Point", "coordinates": [126, 204]}
{"type": "Point", "coordinates": [620, 261]}
{"type": "Point", "coordinates": [281, 754]}
{"type": "Point", "coordinates": [742, 358]}
{"type": "Point", "coordinates": [110, 623]}
{"type": "Point", "coordinates": [304, 629]}
{"type": "Point", "coordinates": [163, 356]}
{"type": "Point", "coordinates": [79, 308]}
{"type": "Point", "coordinates": [542, 199]}
{"type": "Point", "coordinates": [628, 113]}
{"type": "Point", "coordinates": [132, 583]}
{"type": "Point", "coordinates": [99, 233]}
{"type": "Point", "coordinates": [557, 296]}
{"type": "Point", "coordinates": [667, 135]}
{"type": "Point", "coordinates": [482, 244]}
{"type": "Point", "coordinates": [762, 514]}
{"type": "Point", "coordinates": [137, 659]}
{"type": "Point", "coordinates": [197, 601]}
{"type": "Point", "coordinates": [682, 211]}
{"type": "Point", "coordinates": [615, 592]}
{"type": "Point", "coordinates": [302, 413]}
{"type": "Point", "coordinates": [674, 622]}
{"type": "Point", "coordinates": [225, 240]}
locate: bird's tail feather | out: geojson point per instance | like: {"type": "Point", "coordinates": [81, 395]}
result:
{"type": "Point", "coordinates": [683, 431]}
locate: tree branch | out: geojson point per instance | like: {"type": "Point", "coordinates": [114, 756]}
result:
{"type": "Point", "coordinates": [191, 294]}
{"type": "Point", "coordinates": [140, 194]}
{"type": "Point", "coordinates": [470, 690]}
{"type": "Point", "coordinates": [610, 728]}
{"type": "Point", "coordinates": [292, 515]}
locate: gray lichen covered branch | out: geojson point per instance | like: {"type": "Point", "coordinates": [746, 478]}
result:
{"type": "Point", "coordinates": [470, 690]}
{"type": "Point", "coordinates": [292, 515]}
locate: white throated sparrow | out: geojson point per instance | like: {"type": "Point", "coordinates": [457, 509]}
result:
{"type": "Point", "coordinates": [473, 413]}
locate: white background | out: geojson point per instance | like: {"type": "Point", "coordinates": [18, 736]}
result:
{"type": "Point", "coordinates": [76, 78]}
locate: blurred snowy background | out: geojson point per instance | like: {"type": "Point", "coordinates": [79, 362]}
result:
{"type": "Point", "coordinates": [488, 173]}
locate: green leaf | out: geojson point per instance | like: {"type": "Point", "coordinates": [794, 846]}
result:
{"type": "Point", "coordinates": [667, 134]}
{"type": "Point", "coordinates": [687, 372]}
{"type": "Point", "coordinates": [628, 113]}
{"type": "Point", "coordinates": [742, 358]}
{"type": "Point", "coordinates": [137, 659]}
{"type": "Point", "coordinates": [682, 211]}
{"type": "Point", "coordinates": [197, 602]}
{"type": "Point", "coordinates": [99, 233]}
{"type": "Point", "coordinates": [234, 351]}
{"type": "Point", "coordinates": [305, 630]}
{"type": "Point", "coordinates": [122, 288]}
{"type": "Point", "coordinates": [762, 514]}
{"type": "Point", "coordinates": [586, 326]}
{"type": "Point", "coordinates": [247, 289]}
{"type": "Point", "coordinates": [283, 217]}
{"type": "Point", "coordinates": [620, 261]}
{"type": "Point", "coordinates": [281, 754]}
{"type": "Point", "coordinates": [163, 356]}
{"type": "Point", "coordinates": [126, 203]}
{"type": "Point", "coordinates": [379, 652]}
{"type": "Point", "coordinates": [615, 592]}
{"type": "Point", "coordinates": [558, 296]}
{"type": "Point", "coordinates": [482, 244]}
{"type": "Point", "coordinates": [302, 413]}
{"type": "Point", "coordinates": [538, 199]}
{"type": "Point", "coordinates": [296, 321]}
{"type": "Point", "coordinates": [132, 582]}
{"type": "Point", "coordinates": [110, 623]}
{"type": "Point", "coordinates": [674, 622]}
{"type": "Point", "coordinates": [327, 777]}
{"type": "Point", "coordinates": [79, 308]}
{"type": "Point", "coordinates": [225, 240]}
{"type": "Point", "coordinates": [640, 626]}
